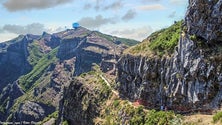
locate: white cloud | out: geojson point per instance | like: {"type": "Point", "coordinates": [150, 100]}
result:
{"type": "Point", "coordinates": [9, 31]}
{"type": "Point", "coordinates": [129, 15]}
{"type": "Point", "coordinates": [151, 7]}
{"type": "Point", "coordinates": [7, 36]}
{"type": "Point", "coordinates": [87, 6]}
{"type": "Point", "coordinates": [96, 22]}
{"type": "Point", "coordinates": [34, 28]}
{"type": "Point", "coordinates": [145, 1]}
{"type": "Point", "coordinates": [114, 6]}
{"type": "Point", "coordinates": [172, 15]}
{"type": "Point", "coordinates": [19, 5]}
{"type": "Point", "coordinates": [135, 33]}
{"type": "Point", "coordinates": [178, 2]}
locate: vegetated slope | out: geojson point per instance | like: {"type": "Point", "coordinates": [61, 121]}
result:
{"type": "Point", "coordinates": [53, 60]}
{"type": "Point", "coordinates": [162, 42]}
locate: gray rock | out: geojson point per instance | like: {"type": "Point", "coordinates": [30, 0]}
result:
{"type": "Point", "coordinates": [186, 80]}
{"type": "Point", "coordinates": [32, 112]}
{"type": "Point", "coordinates": [204, 19]}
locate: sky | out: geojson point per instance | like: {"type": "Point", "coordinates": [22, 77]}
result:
{"type": "Point", "coordinates": [135, 19]}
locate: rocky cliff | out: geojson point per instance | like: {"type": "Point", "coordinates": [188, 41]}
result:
{"type": "Point", "coordinates": [204, 19]}
{"type": "Point", "coordinates": [190, 78]}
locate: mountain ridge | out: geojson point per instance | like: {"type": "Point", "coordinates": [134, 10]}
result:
{"type": "Point", "coordinates": [52, 59]}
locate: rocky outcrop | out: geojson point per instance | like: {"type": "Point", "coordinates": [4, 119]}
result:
{"type": "Point", "coordinates": [84, 98]}
{"type": "Point", "coordinates": [204, 19]}
{"type": "Point", "coordinates": [190, 80]}
{"type": "Point", "coordinates": [7, 98]}
{"type": "Point", "coordinates": [32, 112]}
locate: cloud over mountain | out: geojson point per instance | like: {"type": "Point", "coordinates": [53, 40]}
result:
{"type": "Point", "coordinates": [134, 33]}
{"type": "Point", "coordinates": [34, 28]}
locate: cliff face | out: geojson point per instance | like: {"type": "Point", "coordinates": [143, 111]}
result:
{"type": "Point", "coordinates": [13, 61]}
{"type": "Point", "coordinates": [204, 19]}
{"type": "Point", "coordinates": [191, 78]}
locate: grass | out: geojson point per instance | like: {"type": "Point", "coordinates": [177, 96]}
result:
{"type": "Point", "coordinates": [159, 43]}
{"type": "Point", "coordinates": [28, 80]}
{"type": "Point", "coordinates": [34, 53]}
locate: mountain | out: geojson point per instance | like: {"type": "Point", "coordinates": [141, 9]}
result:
{"type": "Point", "coordinates": [34, 69]}
{"type": "Point", "coordinates": [85, 77]}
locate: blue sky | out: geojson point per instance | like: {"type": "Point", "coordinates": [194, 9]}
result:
{"type": "Point", "coordinates": [134, 19]}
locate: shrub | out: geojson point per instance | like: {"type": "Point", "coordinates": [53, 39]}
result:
{"type": "Point", "coordinates": [116, 103]}
{"type": "Point", "coordinates": [161, 118]}
{"type": "Point", "coordinates": [65, 123]}
{"type": "Point", "coordinates": [217, 117]}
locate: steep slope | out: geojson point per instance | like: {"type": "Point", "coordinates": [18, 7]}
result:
{"type": "Point", "coordinates": [89, 100]}
{"type": "Point", "coordinates": [53, 61]}
{"type": "Point", "coordinates": [84, 98]}
{"type": "Point", "coordinates": [187, 80]}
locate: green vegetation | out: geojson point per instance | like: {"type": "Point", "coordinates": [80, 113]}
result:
{"type": "Point", "coordinates": [65, 123]}
{"type": "Point", "coordinates": [217, 117]}
{"type": "Point", "coordinates": [34, 53]}
{"type": "Point", "coordinates": [29, 79]}
{"type": "Point", "coordinates": [159, 43]}
{"type": "Point", "coordinates": [122, 112]}
{"type": "Point", "coordinates": [128, 42]}
{"type": "Point", "coordinates": [162, 118]}
{"type": "Point", "coordinates": [95, 81]}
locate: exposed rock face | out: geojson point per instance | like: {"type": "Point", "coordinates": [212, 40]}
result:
{"type": "Point", "coordinates": [13, 61]}
{"type": "Point", "coordinates": [188, 80]}
{"type": "Point", "coordinates": [204, 19]}
{"type": "Point", "coordinates": [32, 111]}
{"type": "Point", "coordinates": [90, 49]}
{"type": "Point", "coordinates": [8, 96]}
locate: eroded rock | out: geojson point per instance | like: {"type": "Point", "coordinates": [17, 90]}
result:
{"type": "Point", "coordinates": [204, 19]}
